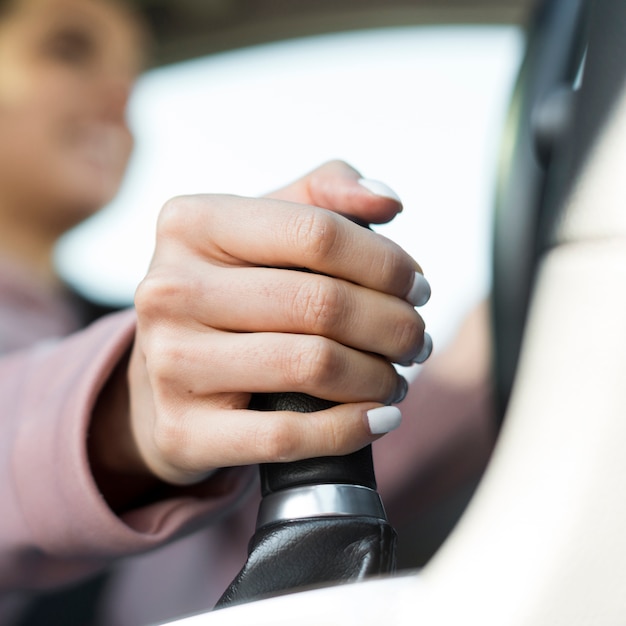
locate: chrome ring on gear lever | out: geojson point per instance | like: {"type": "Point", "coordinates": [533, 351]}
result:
{"type": "Point", "coordinates": [312, 501]}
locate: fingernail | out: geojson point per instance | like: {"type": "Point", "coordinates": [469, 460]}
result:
{"type": "Point", "coordinates": [383, 419]}
{"type": "Point", "coordinates": [426, 350]}
{"type": "Point", "coordinates": [419, 293]}
{"type": "Point", "coordinates": [379, 189]}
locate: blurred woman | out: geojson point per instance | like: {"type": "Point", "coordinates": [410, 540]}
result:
{"type": "Point", "coordinates": [66, 71]}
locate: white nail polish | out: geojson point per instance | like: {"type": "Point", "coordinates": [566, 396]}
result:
{"type": "Point", "coordinates": [379, 189]}
{"type": "Point", "coordinates": [384, 419]}
{"type": "Point", "coordinates": [426, 350]}
{"type": "Point", "coordinates": [419, 293]}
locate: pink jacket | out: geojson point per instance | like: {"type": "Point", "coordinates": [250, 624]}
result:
{"type": "Point", "coordinates": [55, 525]}
{"type": "Point", "coordinates": [176, 556]}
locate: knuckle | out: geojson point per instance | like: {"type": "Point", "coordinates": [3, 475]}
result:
{"type": "Point", "coordinates": [408, 333]}
{"type": "Point", "coordinates": [378, 385]}
{"type": "Point", "coordinates": [170, 437]}
{"type": "Point", "coordinates": [285, 439]}
{"type": "Point", "coordinates": [312, 365]}
{"type": "Point", "coordinates": [314, 233]}
{"type": "Point", "coordinates": [172, 214]}
{"type": "Point", "coordinates": [318, 305]}
{"type": "Point", "coordinates": [390, 266]}
{"type": "Point", "coordinates": [161, 293]}
{"type": "Point", "coordinates": [278, 440]}
{"type": "Point", "coordinates": [165, 359]}
{"type": "Point", "coordinates": [183, 214]}
{"type": "Point", "coordinates": [148, 294]}
{"type": "Point", "coordinates": [174, 446]}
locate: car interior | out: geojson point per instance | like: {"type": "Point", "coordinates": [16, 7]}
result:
{"type": "Point", "coordinates": [538, 536]}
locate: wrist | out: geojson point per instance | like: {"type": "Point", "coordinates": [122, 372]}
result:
{"type": "Point", "coordinates": [122, 478]}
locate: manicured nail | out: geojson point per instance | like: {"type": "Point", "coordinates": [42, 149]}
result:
{"type": "Point", "coordinates": [419, 293]}
{"type": "Point", "coordinates": [426, 350]}
{"type": "Point", "coordinates": [383, 419]}
{"type": "Point", "coordinates": [379, 189]}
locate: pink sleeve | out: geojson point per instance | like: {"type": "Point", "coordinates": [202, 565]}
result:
{"type": "Point", "coordinates": [54, 524]}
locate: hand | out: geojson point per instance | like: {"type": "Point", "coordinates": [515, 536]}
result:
{"type": "Point", "coordinates": [221, 315]}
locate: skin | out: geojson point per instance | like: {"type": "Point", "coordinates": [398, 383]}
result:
{"type": "Point", "coordinates": [213, 294]}
{"type": "Point", "coordinates": [219, 314]}
{"type": "Point", "coordinates": [66, 71]}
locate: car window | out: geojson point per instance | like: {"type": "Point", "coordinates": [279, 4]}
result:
{"type": "Point", "coordinates": [420, 108]}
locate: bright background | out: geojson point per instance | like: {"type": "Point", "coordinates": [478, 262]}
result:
{"type": "Point", "coordinates": [420, 108]}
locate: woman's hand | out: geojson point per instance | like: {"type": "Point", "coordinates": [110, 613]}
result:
{"type": "Point", "coordinates": [222, 313]}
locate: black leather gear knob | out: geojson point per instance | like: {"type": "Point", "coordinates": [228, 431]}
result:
{"type": "Point", "coordinates": [356, 468]}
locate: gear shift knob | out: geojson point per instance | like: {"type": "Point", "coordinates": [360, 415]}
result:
{"type": "Point", "coordinates": [321, 521]}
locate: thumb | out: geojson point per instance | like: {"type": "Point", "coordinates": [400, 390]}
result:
{"type": "Point", "coordinates": [339, 187]}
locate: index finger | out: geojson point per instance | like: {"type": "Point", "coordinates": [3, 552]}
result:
{"type": "Point", "coordinates": [236, 231]}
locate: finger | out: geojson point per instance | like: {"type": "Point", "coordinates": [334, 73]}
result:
{"type": "Point", "coordinates": [339, 187]}
{"type": "Point", "coordinates": [231, 231]}
{"type": "Point", "coordinates": [193, 442]}
{"type": "Point", "coordinates": [274, 300]}
{"type": "Point", "coordinates": [198, 365]}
